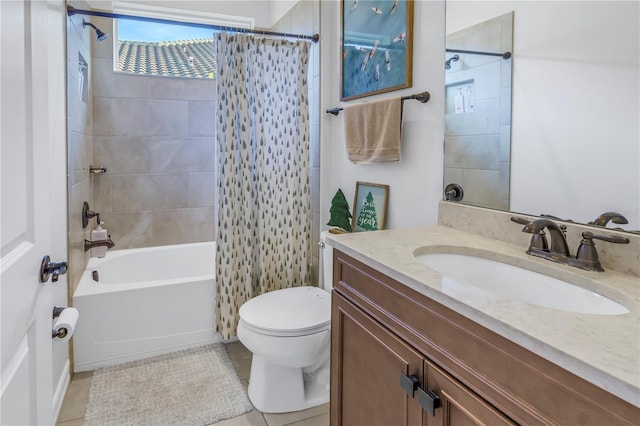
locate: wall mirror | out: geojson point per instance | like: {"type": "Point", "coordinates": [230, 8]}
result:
{"type": "Point", "coordinates": [554, 129]}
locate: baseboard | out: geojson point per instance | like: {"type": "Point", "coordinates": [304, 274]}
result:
{"type": "Point", "coordinates": [61, 389]}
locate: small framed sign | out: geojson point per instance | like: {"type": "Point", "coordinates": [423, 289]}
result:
{"type": "Point", "coordinates": [370, 206]}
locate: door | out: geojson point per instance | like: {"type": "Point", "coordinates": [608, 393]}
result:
{"type": "Point", "coordinates": [27, 138]}
{"type": "Point", "coordinates": [458, 406]}
{"type": "Point", "coordinates": [367, 365]}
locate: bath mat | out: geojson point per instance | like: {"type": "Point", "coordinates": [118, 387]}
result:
{"type": "Point", "coordinates": [196, 387]}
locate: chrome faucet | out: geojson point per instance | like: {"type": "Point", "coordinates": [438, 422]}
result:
{"type": "Point", "coordinates": [88, 245]}
{"type": "Point", "coordinates": [558, 250]}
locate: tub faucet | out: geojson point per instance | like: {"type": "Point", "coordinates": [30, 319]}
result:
{"type": "Point", "coordinates": [558, 250]}
{"type": "Point", "coordinates": [88, 245]}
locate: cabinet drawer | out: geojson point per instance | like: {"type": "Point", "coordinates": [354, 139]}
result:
{"type": "Point", "coordinates": [521, 384]}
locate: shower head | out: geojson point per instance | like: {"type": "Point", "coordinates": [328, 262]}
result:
{"type": "Point", "coordinates": [99, 34]}
{"type": "Point", "coordinates": [447, 63]}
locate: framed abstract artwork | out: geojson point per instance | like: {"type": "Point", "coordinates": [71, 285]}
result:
{"type": "Point", "coordinates": [377, 46]}
{"type": "Point", "coordinates": [369, 207]}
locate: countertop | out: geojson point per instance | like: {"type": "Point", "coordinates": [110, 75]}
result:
{"type": "Point", "coordinates": [602, 349]}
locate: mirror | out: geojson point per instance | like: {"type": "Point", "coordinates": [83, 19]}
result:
{"type": "Point", "coordinates": [573, 129]}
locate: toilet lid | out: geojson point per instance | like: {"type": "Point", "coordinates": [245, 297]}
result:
{"type": "Point", "coordinates": [290, 311]}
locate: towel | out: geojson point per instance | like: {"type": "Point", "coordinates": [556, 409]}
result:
{"type": "Point", "coordinates": [373, 131]}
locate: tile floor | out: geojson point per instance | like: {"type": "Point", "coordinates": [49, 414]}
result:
{"type": "Point", "coordinates": [75, 400]}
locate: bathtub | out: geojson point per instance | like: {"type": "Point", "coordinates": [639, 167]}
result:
{"type": "Point", "coordinates": [145, 302]}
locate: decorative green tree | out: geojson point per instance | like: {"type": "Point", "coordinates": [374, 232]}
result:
{"type": "Point", "coordinates": [340, 215]}
{"type": "Point", "coordinates": [368, 219]}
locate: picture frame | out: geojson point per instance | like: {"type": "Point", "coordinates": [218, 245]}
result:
{"type": "Point", "coordinates": [377, 47]}
{"type": "Point", "coordinates": [369, 207]}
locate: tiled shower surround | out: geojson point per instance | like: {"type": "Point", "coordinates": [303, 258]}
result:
{"type": "Point", "coordinates": [155, 136]}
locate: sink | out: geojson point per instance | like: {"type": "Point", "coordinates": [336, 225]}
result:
{"type": "Point", "coordinates": [507, 281]}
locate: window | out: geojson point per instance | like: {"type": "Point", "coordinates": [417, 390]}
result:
{"type": "Point", "coordinates": [170, 50]}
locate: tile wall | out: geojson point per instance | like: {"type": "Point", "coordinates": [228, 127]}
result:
{"type": "Point", "coordinates": [80, 142]}
{"type": "Point", "coordinates": [155, 136]}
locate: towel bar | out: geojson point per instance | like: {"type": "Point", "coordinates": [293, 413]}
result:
{"type": "Point", "coordinates": [423, 97]}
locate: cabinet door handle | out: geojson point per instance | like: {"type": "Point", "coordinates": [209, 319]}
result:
{"type": "Point", "coordinates": [409, 384]}
{"type": "Point", "coordinates": [429, 401]}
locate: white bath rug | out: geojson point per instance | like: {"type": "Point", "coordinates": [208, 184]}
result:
{"type": "Point", "coordinates": [196, 387]}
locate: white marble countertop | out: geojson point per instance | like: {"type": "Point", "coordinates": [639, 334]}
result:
{"type": "Point", "coordinates": [602, 349]}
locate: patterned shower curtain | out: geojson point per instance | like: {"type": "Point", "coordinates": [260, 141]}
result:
{"type": "Point", "coordinates": [264, 200]}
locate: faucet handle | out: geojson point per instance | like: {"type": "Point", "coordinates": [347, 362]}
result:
{"type": "Point", "coordinates": [588, 235]}
{"type": "Point", "coordinates": [538, 239]}
{"type": "Point", "coordinates": [520, 220]}
{"type": "Point", "coordinates": [587, 255]}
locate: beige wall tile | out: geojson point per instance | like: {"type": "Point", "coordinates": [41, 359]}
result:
{"type": "Point", "coordinates": [201, 189]}
{"type": "Point", "coordinates": [130, 117]}
{"type": "Point", "coordinates": [201, 118]}
{"type": "Point", "coordinates": [131, 193]}
{"type": "Point", "coordinates": [181, 226]}
{"type": "Point", "coordinates": [101, 116]}
{"type": "Point", "coordinates": [129, 230]}
{"type": "Point", "coordinates": [122, 154]}
{"type": "Point", "coordinates": [168, 118]}
{"type": "Point", "coordinates": [79, 156]}
{"type": "Point", "coordinates": [101, 193]}
{"type": "Point", "coordinates": [187, 89]}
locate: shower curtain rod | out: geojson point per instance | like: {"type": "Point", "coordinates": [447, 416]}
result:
{"type": "Point", "coordinates": [505, 55]}
{"type": "Point", "coordinates": [73, 11]}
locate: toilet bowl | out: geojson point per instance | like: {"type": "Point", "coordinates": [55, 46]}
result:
{"type": "Point", "coordinates": [288, 333]}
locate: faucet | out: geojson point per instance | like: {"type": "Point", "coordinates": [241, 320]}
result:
{"type": "Point", "coordinates": [88, 245]}
{"type": "Point", "coordinates": [605, 217]}
{"type": "Point", "coordinates": [586, 257]}
{"type": "Point", "coordinates": [558, 250]}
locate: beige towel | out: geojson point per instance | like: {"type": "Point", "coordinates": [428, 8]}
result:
{"type": "Point", "coordinates": [373, 131]}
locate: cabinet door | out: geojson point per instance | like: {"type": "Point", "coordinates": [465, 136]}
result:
{"type": "Point", "coordinates": [458, 405]}
{"type": "Point", "coordinates": [366, 364]}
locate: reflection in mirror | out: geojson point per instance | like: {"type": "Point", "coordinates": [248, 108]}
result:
{"type": "Point", "coordinates": [478, 112]}
{"type": "Point", "coordinates": [574, 151]}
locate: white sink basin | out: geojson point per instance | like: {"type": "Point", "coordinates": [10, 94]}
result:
{"type": "Point", "coordinates": [511, 282]}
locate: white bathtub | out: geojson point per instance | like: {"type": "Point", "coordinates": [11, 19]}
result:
{"type": "Point", "coordinates": [146, 302]}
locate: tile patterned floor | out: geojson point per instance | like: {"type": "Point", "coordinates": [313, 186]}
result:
{"type": "Point", "coordinates": [75, 400]}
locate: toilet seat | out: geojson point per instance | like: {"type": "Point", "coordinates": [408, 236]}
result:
{"type": "Point", "coordinates": [296, 311]}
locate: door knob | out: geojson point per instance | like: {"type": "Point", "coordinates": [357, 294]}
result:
{"type": "Point", "coordinates": [55, 269]}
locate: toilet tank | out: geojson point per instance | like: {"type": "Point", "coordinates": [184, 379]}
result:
{"type": "Point", "coordinates": [326, 263]}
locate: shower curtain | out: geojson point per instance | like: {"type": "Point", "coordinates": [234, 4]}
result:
{"type": "Point", "coordinates": [264, 201]}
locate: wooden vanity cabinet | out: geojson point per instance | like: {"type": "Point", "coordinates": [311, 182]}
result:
{"type": "Point", "coordinates": [368, 359]}
{"type": "Point", "coordinates": [395, 351]}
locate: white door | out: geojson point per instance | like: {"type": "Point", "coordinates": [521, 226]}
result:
{"type": "Point", "coordinates": [26, 149]}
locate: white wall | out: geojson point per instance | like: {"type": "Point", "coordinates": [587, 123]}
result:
{"type": "Point", "coordinates": [261, 10]}
{"type": "Point", "coordinates": [416, 182]}
{"type": "Point", "coordinates": [575, 127]}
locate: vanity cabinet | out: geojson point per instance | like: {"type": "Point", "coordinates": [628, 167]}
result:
{"type": "Point", "coordinates": [395, 351]}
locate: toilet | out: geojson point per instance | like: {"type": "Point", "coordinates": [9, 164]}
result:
{"type": "Point", "coordinates": [288, 333]}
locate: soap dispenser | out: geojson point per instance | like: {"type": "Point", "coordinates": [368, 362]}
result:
{"type": "Point", "coordinates": [99, 234]}
{"type": "Point", "coordinates": [459, 102]}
